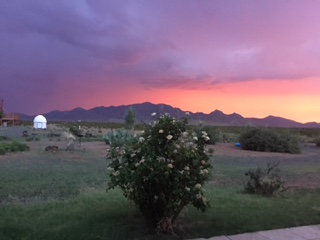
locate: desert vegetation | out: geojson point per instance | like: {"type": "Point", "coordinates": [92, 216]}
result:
{"type": "Point", "coordinates": [7, 146]}
{"type": "Point", "coordinates": [265, 181]}
{"type": "Point", "coordinates": [162, 170]}
{"type": "Point", "coordinates": [268, 140]}
{"type": "Point", "coordinates": [62, 194]}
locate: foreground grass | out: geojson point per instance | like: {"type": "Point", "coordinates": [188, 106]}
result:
{"type": "Point", "coordinates": [62, 196]}
{"type": "Point", "coordinates": [234, 212]}
{"type": "Point", "coordinates": [100, 215]}
{"type": "Point", "coordinates": [89, 216]}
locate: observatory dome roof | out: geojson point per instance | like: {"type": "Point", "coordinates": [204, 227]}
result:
{"type": "Point", "coordinates": [39, 118]}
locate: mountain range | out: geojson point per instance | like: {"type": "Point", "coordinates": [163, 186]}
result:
{"type": "Point", "coordinates": [144, 110]}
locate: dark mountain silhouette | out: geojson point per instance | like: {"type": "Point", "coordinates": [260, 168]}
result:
{"type": "Point", "coordinates": [143, 113]}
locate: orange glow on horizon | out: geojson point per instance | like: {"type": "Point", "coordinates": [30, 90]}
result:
{"type": "Point", "coordinates": [295, 100]}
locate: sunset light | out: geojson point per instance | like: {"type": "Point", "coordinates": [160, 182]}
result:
{"type": "Point", "coordinates": [253, 58]}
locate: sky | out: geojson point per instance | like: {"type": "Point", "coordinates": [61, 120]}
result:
{"type": "Point", "coordinates": [253, 57]}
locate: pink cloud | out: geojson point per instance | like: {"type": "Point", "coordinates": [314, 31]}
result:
{"type": "Point", "coordinates": [54, 53]}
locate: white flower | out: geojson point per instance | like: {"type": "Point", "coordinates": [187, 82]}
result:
{"type": "Point", "coordinates": [187, 113]}
{"type": "Point", "coordinates": [169, 137]}
{"type": "Point", "coordinates": [206, 138]}
{"type": "Point", "coordinates": [116, 173]}
{"type": "Point", "coordinates": [198, 196]}
{"type": "Point", "coordinates": [187, 168]}
{"type": "Point", "coordinates": [142, 160]}
{"type": "Point", "coordinates": [205, 171]}
{"type": "Point", "coordinates": [110, 168]}
{"type": "Point", "coordinates": [188, 189]}
{"type": "Point", "coordinates": [203, 162]}
{"type": "Point", "coordinates": [160, 131]}
{"type": "Point", "coordinates": [132, 155]}
{"type": "Point", "coordinates": [170, 165]}
{"type": "Point", "coordinates": [198, 185]}
{"type": "Point", "coordinates": [155, 197]}
{"type": "Point", "coordinates": [204, 133]}
{"type": "Point", "coordinates": [141, 139]}
{"type": "Point", "coordinates": [204, 200]}
{"type": "Point", "coordinates": [185, 134]}
{"type": "Point", "coordinates": [195, 138]}
{"type": "Point", "coordinates": [137, 164]}
{"type": "Point", "coordinates": [153, 114]}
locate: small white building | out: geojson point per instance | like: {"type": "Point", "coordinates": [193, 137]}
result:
{"type": "Point", "coordinates": [39, 122]}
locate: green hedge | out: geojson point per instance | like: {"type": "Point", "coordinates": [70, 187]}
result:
{"type": "Point", "coordinates": [268, 140]}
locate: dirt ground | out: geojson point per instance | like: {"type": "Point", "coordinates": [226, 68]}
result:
{"type": "Point", "coordinates": [89, 150]}
{"type": "Point", "coordinates": [220, 149]}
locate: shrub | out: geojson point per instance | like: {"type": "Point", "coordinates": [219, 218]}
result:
{"type": "Point", "coordinates": [268, 140]}
{"type": "Point", "coordinates": [130, 118]}
{"type": "Point", "coordinates": [265, 181]}
{"type": "Point", "coordinates": [119, 137]}
{"type": "Point", "coordinates": [2, 150]}
{"type": "Point", "coordinates": [29, 139]}
{"type": "Point", "coordinates": [162, 171]}
{"type": "Point", "coordinates": [210, 151]}
{"type": "Point", "coordinates": [4, 138]}
{"type": "Point", "coordinates": [212, 133]}
{"type": "Point", "coordinates": [75, 130]}
{"type": "Point", "coordinates": [21, 146]}
{"type": "Point", "coordinates": [13, 147]}
{"type": "Point", "coordinates": [317, 142]}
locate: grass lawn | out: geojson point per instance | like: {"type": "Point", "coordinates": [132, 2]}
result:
{"type": "Point", "coordinates": [62, 196]}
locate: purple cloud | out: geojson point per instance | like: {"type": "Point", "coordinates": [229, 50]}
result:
{"type": "Point", "coordinates": [49, 47]}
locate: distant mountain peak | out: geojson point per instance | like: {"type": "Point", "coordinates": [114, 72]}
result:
{"type": "Point", "coordinates": [144, 110]}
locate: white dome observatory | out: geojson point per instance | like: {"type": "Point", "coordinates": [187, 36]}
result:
{"type": "Point", "coordinates": [40, 122]}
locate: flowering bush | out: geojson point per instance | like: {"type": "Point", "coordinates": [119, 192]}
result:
{"type": "Point", "coordinates": [162, 171]}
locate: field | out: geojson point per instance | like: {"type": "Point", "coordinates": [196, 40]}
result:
{"type": "Point", "coordinates": [61, 195]}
